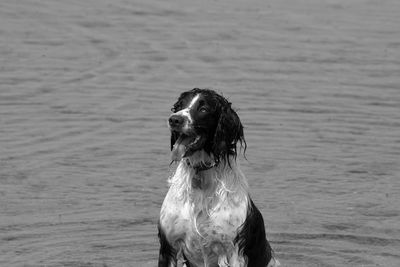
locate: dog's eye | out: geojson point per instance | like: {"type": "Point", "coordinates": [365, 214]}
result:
{"type": "Point", "coordinates": [203, 110]}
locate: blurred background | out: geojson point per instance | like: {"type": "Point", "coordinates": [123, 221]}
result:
{"type": "Point", "coordinates": [86, 88]}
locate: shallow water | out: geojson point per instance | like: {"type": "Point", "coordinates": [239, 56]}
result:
{"type": "Point", "coordinates": [86, 87]}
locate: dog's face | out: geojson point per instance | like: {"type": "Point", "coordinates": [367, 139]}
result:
{"type": "Point", "coordinates": [204, 120]}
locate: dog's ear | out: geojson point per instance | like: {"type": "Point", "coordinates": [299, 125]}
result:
{"type": "Point", "coordinates": [228, 133]}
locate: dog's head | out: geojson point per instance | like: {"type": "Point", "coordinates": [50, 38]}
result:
{"type": "Point", "coordinates": [204, 120]}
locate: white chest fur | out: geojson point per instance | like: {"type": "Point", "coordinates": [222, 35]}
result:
{"type": "Point", "coordinates": [202, 213]}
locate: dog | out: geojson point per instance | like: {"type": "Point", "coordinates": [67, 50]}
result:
{"type": "Point", "coordinates": [207, 217]}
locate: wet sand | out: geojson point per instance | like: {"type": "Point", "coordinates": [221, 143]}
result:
{"type": "Point", "coordinates": [86, 87]}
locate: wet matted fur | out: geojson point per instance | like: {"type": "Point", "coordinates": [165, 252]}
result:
{"type": "Point", "coordinates": [207, 217]}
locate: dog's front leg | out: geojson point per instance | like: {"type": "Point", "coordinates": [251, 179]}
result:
{"type": "Point", "coordinates": [167, 256]}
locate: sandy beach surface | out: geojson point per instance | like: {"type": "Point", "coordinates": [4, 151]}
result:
{"type": "Point", "coordinates": [86, 87]}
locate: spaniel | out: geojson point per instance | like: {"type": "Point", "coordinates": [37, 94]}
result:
{"type": "Point", "coordinates": [207, 217]}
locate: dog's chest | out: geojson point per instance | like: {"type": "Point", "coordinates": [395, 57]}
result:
{"type": "Point", "coordinates": [202, 227]}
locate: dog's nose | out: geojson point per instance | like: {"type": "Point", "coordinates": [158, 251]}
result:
{"type": "Point", "coordinates": [175, 121]}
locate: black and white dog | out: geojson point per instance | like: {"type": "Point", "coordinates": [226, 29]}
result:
{"type": "Point", "coordinates": [208, 218]}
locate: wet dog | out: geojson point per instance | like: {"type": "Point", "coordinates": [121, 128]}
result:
{"type": "Point", "coordinates": [207, 217]}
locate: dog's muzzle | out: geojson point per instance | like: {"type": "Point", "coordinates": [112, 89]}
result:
{"type": "Point", "coordinates": [176, 122]}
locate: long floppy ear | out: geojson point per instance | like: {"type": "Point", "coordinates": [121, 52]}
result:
{"type": "Point", "coordinates": [228, 133]}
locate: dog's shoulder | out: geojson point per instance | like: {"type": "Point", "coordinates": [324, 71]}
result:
{"type": "Point", "coordinates": [251, 238]}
